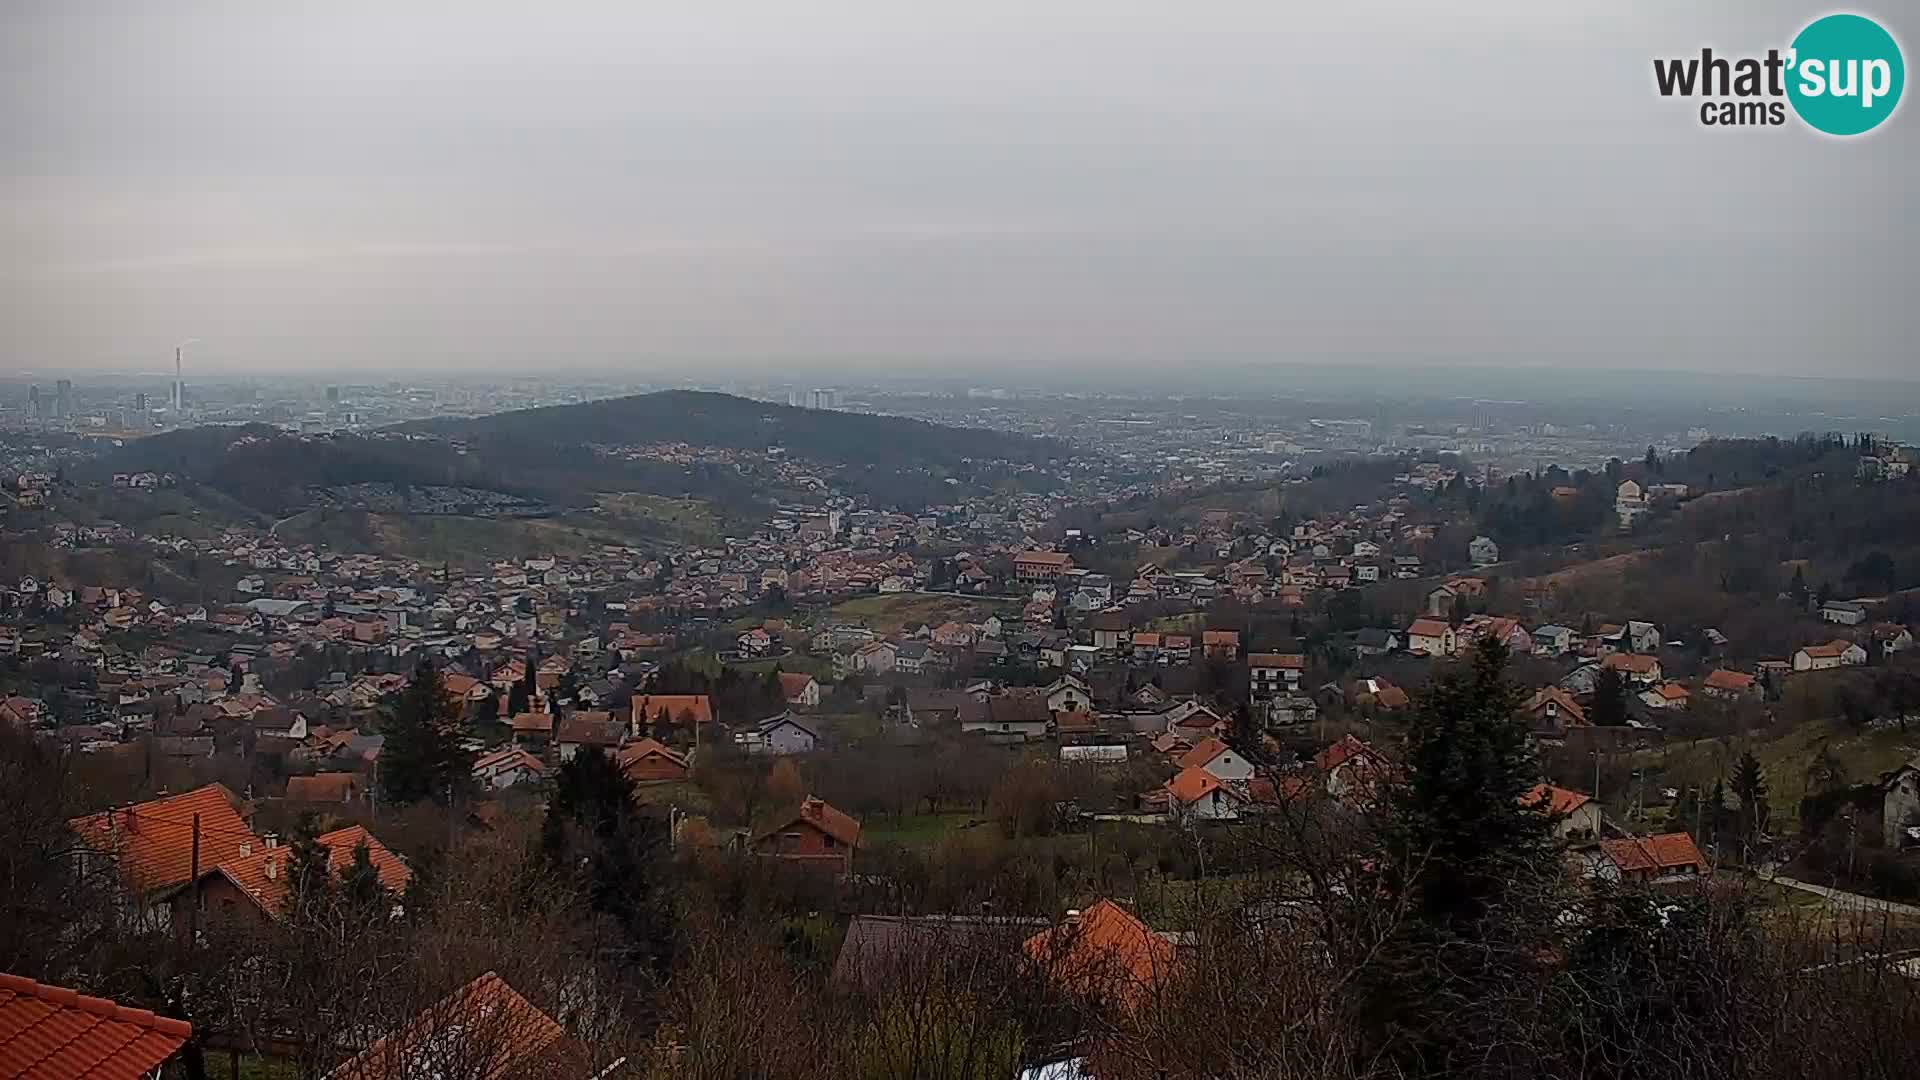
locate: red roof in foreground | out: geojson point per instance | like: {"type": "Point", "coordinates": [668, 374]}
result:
{"type": "Point", "coordinates": [154, 840]}
{"type": "Point", "coordinates": [1105, 950]}
{"type": "Point", "coordinates": [47, 1033]}
{"type": "Point", "coordinates": [483, 1030]}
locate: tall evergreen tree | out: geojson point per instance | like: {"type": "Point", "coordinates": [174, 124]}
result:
{"type": "Point", "coordinates": [1750, 787]}
{"type": "Point", "coordinates": [423, 757]}
{"type": "Point", "coordinates": [1609, 706]}
{"type": "Point", "coordinates": [1476, 866]}
{"type": "Point", "coordinates": [309, 874]}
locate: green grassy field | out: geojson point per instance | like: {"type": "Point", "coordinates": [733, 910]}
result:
{"type": "Point", "coordinates": [887, 613]}
{"type": "Point", "coordinates": [915, 830]}
{"type": "Point", "coordinates": [1784, 760]}
{"type": "Point", "coordinates": [692, 521]}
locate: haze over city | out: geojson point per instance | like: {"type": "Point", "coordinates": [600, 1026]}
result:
{"type": "Point", "coordinates": [961, 541]}
{"type": "Point", "coordinates": [885, 189]}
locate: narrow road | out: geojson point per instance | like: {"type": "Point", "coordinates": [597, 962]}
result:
{"type": "Point", "coordinates": [1847, 901]}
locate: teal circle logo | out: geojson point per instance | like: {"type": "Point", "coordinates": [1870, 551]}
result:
{"type": "Point", "coordinates": [1846, 74]}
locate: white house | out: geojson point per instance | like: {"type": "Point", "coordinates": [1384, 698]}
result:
{"type": "Point", "coordinates": [1833, 654]}
{"type": "Point", "coordinates": [1552, 640]}
{"type": "Point", "coordinates": [1197, 794]}
{"type": "Point", "coordinates": [1578, 814]}
{"type": "Point", "coordinates": [1482, 551]}
{"type": "Point", "coordinates": [506, 767]}
{"type": "Point", "coordinates": [1430, 637]}
{"type": "Point", "coordinates": [1219, 759]}
{"type": "Point", "coordinates": [1068, 694]}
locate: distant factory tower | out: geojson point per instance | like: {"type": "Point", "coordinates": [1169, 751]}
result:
{"type": "Point", "coordinates": [178, 387]}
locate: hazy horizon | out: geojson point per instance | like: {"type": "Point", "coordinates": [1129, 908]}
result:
{"type": "Point", "coordinates": [1125, 190]}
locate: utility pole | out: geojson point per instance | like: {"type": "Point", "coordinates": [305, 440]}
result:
{"type": "Point", "coordinates": [193, 886]}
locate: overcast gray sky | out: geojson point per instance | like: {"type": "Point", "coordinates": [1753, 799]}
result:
{"type": "Point", "coordinates": [908, 186]}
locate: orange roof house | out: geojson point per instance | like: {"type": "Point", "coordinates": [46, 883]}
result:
{"type": "Point", "coordinates": [812, 833]}
{"type": "Point", "coordinates": [261, 877]}
{"type": "Point", "coordinates": [484, 1030]}
{"type": "Point", "coordinates": [1667, 856]}
{"type": "Point", "coordinates": [153, 841]}
{"type": "Point", "coordinates": [51, 1033]}
{"type": "Point", "coordinates": [1104, 952]}
{"type": "Point", "coordinates": [679, 708]}
{"type": "Point", "coordinates": [1727, 683]}
{"type": "Point", "coordinates": [327, 787]}
{"type": "Point", "coordinates": [1557, 801]}
{"type": "Point", "coordinates": [648, 760]}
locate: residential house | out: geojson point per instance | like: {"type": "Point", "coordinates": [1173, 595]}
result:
{"type": "Point", "coordinates": [1482, 551]}
{"type": "Point", "coordinates": [1431, 637]}
{"type": "Point", "coordinates": [874, 658]}
{"type": "Point", "coordinates": [1220, 644]}
{"type": "Point", "coordinates": [1197, 795]}
{"type": "Point", "coordinates": [1576, 815]}
{"type": "Point", "coordinates": [811, 834]}
{"type": "Point", "coordinates": [327, 787]}
{"type": "Point", "coordinates": [653, 711]}
{"type": "Point", "coordinates": [1375, 641]}
{"type": "Point", "coordinates": [1900, 806]}
{"type": "Point", "coordinates": [1659, 859]}
{"type": "Point", "coordinates": [1106, 954]}
{"type": "Point", "coordinates": [152, 843]}
{"type": "Point", "coordinates": [1553, 710]}
{"type": "Point", "coordinates": [485, 1029]}
{"type": "Point", "coordinates": [1638, 669]}
{"type": "Point", "coordinates": [1275, 673]}
{"type": "Point", "coordinates": [1041, 565]}
{"type": "Point", "coordinates": [1667, 695]}
{"type": "Point", "coordinates": [1553, 640]}
{"type": "Point", "coordinates": [799, 689]}
{"type": "Point", "coordinates": [256, 885]}
{"type": "Point", "coordinates": [533, 729]}
{"type": "Point", "coordinates": [1844, 612]}
{"type": "Point", "coordinates": [1353, 770]}
{"type": "Point", "coordinates": [1068, 694]}
{"type": "Point", "coordinates": [1110, 630]}
{"type": "Point", "coordinates": [507, 766]}
{"type": "Point", "coordinates": [651, 762]}
{"type": "Point", "coordinates": [1836, 653]}
{"type": "Point", "coordinates": [590, 729]}
{"type": "Point", "coordinates": [781, 734]}
{"type": "Point", "coordinates": [1218, 758]}
{"type": "Point", "coordinates": [1891, 638]}
{"type": "Point", "coordinates": [1728, 685]}
{"type": "Point", "coordinates": [1013, 716]}
{"type": "Point", "coordinates": [910, 657]}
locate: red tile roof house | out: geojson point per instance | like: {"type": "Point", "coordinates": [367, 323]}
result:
{"type": "Point", "coordinates": [255, 885]}
{"type": "Point", "coordinates": [484, 1030]}
{"type": "Point", "coordinates": [1667, 857]}
{"type": "Point", "coordinates": [813, 834]}
{"type": "Point", "coordinates": [327, 787]}
{"type": "Point", "coordinates": [1575, 815]}
{"type": "Point", "coordinates": [1105, 953]}
{"type": "Point", "coordinates": [47, 1033]}
{"type": "Point", "coordinates": [152, 842]}
{"type": "Point", "coordinates": [649, 762]}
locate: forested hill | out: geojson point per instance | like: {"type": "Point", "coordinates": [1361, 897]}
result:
{"type": "Point", "coordinates": [703, 418]}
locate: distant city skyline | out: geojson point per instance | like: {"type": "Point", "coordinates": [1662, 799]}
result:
{"type": "Point", "coordinates": [1123, 192]}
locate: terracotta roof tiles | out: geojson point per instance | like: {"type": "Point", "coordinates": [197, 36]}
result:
{"type": "Point", "coordinates": [47, 1033]}
{"type": "Point", "coordinates": [154, 840]}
